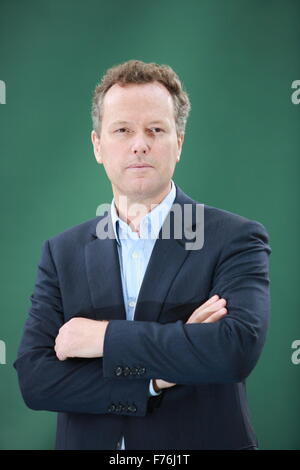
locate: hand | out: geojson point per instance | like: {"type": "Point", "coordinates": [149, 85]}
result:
{"type": "Point", "coordinates": [209, 312]}
{"type": "Point", "coordinates": [159, 384]}
{"type": "Point", "coordinates": [80, 337]}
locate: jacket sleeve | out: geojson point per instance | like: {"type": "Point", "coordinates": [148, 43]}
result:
{"type": "Point", "coordinates": [221, 352]}
{"type": "Point", "coordinates": [76, 384]}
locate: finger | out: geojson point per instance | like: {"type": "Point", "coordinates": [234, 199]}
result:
{"type": "Point", "coordinates": [210, 307]}
{"type": "Point", "coordinates": [216, 316]}
{"type": "Point", "coordinates": [61, 357]}
{"type": "Point", "coordinates": [214, 307]}
{"type": "Point", "coordinates": [211, 300]}
{"type": "Point", "coordinates": [201, 314]}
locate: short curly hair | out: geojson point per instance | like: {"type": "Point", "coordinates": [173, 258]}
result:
{"type": "Point", "coordinates": [136, 71]}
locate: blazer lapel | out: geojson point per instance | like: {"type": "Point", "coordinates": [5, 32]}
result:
{"type": "Point", "coordinates": [104, 276]}
{"type": "Point", "coordinates": [165, 262]}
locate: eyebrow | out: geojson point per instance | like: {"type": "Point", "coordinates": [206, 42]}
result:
{"type": "Point", "coordinates": [115, 123]}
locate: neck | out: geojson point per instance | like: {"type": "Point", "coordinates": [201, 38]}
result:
{"type": "Point", "coordinates": [132, 210]}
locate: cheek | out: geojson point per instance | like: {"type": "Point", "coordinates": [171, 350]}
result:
{"type": "Point", "coordinates": [111, 166]}
{"type": "Point", "coordinates": [169, 153]}
{"type": "Point", "coordinates": [112, 157]}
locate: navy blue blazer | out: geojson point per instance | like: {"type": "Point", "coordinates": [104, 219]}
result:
{"type": "Point", "coordinates": [100, 399]}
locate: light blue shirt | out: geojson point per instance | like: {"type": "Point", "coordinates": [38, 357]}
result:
{"type": "Point", "coordinates": [134, 253]}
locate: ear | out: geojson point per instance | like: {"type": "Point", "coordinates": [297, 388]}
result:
{"type": "Point", "coordinates": [180, 140]}
{"type": "Point", "coordinates": [96, 145]}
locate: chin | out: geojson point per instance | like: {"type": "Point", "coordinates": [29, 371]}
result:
{"type": "Point", "coordinates": [142, 185]}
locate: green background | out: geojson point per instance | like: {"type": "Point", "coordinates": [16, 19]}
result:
{"type": "Point", "coordinates": [237, 60]}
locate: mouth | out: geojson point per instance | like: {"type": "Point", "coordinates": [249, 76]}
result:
{"type": "Point", "coordinates": [139, 167]}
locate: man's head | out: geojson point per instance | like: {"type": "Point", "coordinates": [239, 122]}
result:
{"type": "Point", "coordinates": [139, 115]}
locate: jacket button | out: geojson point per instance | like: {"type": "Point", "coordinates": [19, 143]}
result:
{"type": "Point", "coordinates": [126, 371]}
{"type": "Point", "coordinates": [119, 371]}
{"type": "Point", "coordinates": [134, 370]}
{"type": "Point", "coordinates": [112, 407]}
{"type": "Point", "coordinates": [132, 408]}
{"type": "Point", "coordinates": [143, 370]}
{"type": "Point", "coordinates": [119, 407]}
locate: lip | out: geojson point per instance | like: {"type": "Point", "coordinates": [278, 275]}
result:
{"type": "Point", "coordinates": [140, 166]}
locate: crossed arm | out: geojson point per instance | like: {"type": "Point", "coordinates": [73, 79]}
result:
{"type": "Point", "coordinates": [211, 347]}
{"type": "Point", "coordinates": [82, 337]}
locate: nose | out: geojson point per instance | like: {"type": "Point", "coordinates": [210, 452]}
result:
{"type": "Point", "coordinates": [140, 146]}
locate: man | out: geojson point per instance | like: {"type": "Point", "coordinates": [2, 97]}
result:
{"type": "Point", "coordinates": [137, 338]}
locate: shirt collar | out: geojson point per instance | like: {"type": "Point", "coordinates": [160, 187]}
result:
{"type": "Point", "coordinates": [150, 224]}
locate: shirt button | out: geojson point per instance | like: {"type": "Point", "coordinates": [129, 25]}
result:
{"type": "Point", "coordinates": [132, 304]}
{"type": "Point", "coordinates": [135, 255]}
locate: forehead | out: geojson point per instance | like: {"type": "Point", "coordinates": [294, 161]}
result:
{"type": "Point", "coordinates": [146, 97]}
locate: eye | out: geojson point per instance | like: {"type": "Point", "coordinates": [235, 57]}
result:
{"type": "Point", "coordinates": [156, 130]}
{"type": "Point", "coordinates": [121, 130]}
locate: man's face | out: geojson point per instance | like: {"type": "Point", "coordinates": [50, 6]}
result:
{"type": "Point", "coordinates": [138, 128]}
